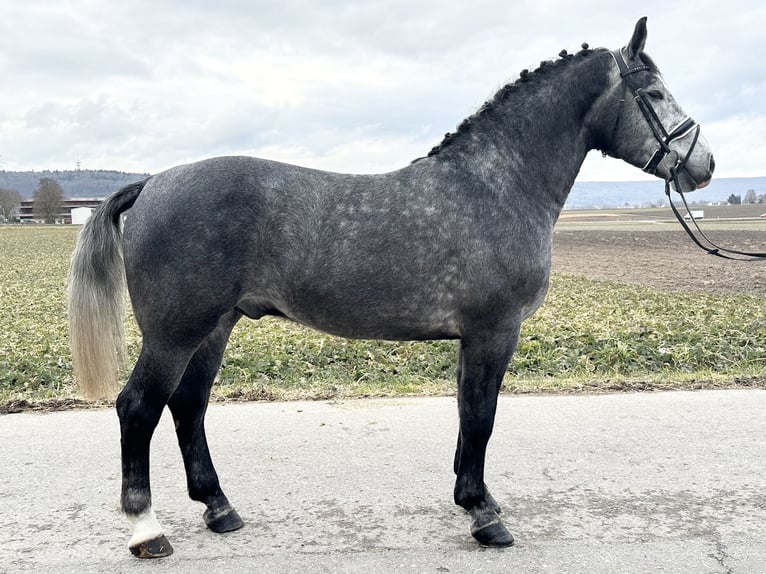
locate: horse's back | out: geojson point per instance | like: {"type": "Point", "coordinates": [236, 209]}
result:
{"type": "Point", "coordinates": [263, 236]}
{"type": "Point", "coordinates": [397, 256]}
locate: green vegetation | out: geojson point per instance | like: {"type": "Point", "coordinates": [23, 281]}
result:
{"type": "Point", "coordinates": [34, 352]}
{"type": "Point", "coordinates": [589, 336]}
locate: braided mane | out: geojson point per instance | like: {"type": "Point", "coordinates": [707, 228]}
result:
{"type": "Point", "coordinates": [525, 79]}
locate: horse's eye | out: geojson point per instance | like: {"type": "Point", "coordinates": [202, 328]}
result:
{"type": "Point", "coordinates": [655, 94]}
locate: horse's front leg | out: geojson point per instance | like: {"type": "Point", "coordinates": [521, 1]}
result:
{"type": "Point", "coordinates": [483, 361]}
{"type": "Point", "coordinates": [491, 502]}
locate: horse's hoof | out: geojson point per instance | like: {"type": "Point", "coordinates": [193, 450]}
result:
{"type": "Point", "coordinates": [223, 522]}
{"type": "Point", "coordinates": [489, 530]}
{"type": "Point", "coordinates": [155, 548]}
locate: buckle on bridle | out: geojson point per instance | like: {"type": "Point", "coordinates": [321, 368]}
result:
{"type": "Point", "coordinates": [654, 161]}
{"type": "Point", "coordinates": [679, 132]}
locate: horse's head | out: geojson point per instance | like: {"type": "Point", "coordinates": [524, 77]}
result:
{"type": "Point", "coordinates": [650, 129]}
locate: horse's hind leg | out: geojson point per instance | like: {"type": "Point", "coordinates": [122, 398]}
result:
{"type": "Point", "coordinates": [483, 361]}
{"type": "Point", "coordinates": [188, 406]}
{"type": "Point", "coordinates": [139, 406]}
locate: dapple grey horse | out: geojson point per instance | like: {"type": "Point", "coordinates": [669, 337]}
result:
{"type": "Point", "coordinates": [456, 245]}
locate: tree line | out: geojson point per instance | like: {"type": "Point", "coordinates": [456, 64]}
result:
{"type": "Point", "coordinates": [79, 183]}
{"type": "Point", "coordinates": [750, 197]}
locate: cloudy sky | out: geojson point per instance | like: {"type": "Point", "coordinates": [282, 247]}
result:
{"type": "Point", "coordinates": [345, 85]}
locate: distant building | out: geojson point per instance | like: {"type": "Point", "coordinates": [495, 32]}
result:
{"type": "Point", "coordinates": [71, 209]}
{"type": "Point", "coordinates": [695, 214]}
{"type": "Point", "coordinates": [81, 214]}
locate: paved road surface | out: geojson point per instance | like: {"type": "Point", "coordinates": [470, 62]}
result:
{"type": "Point", "coordinates": [666, 482]}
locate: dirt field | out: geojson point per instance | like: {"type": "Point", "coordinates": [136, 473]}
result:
{"type": "Point", "coordinates": [660, 255]}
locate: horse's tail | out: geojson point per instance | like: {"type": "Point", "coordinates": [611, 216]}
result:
{"type": "Point", "coordinates": [96, 297]}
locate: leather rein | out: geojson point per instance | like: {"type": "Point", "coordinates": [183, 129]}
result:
{"type": "Point", "coordinates": [664, 138]}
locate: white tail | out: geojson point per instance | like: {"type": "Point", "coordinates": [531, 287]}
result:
{"type": "Point", "coordinates": [96, 298]}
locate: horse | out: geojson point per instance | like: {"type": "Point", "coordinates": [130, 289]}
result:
{"type": "Point", "coordinates": [455, 245]}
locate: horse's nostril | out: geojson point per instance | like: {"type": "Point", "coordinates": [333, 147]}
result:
{"type": "Point", "coordinates": [712, 164]}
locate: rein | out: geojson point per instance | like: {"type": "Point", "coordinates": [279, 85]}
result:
{"type": "Point", "coordinates": [711, 248]}
{"type": "Point", "coordinates": [663, 139]}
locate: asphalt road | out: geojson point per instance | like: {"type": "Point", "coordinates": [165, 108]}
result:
{"type": "Point", "coordinates": [665, 482]}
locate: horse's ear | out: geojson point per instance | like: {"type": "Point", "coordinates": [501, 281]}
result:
{"type": "Point", "coordinates": [638, 41]}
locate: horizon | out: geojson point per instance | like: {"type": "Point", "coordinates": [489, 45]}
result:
{"type": "Point", "coordinates": [649, 179]}
{"type": "Point", "coordinates": [88, 183]}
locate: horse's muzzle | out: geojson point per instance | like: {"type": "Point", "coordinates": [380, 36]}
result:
{"type": "Point", "coordinates": [705, 180]}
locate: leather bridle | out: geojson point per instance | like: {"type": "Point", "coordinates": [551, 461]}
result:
{"type": "Point", "coordinates": [664, 138]}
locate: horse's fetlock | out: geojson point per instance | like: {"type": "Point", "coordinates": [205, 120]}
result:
{"type": "Point", "coordinates": [135, 502]}
{"type": "Point", "coordinates": [467, 496]}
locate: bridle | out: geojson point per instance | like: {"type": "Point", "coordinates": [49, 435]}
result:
{"type": "Point", "coordinates": [664, 138]}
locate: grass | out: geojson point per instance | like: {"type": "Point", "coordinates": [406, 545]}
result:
{"type": "Point", "coordinates": [590, 336]}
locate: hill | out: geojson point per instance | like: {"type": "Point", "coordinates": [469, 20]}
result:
{"type": "Point", "coordinates": [599, 195]}
{"type": "Point", "coordinates": [76, 183]}
{"type": "Point", "coordinates": [585, 195]}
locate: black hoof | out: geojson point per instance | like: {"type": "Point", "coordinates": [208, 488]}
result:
{"type": "Point", "coordinates": [155, 548]}
{"type": "Point", "coordinates": [489, 530]}
{"type": "Point", "coordinates": [225, 521]}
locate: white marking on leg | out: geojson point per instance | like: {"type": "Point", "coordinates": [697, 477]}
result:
{"type": "Point", "coordinates": [145, 527]}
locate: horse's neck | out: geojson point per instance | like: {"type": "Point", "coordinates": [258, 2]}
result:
{"type": "Point", "coordinates": [533, 142]}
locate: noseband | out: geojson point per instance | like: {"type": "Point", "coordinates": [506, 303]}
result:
{"type": "Point", "coordinates": [664, 138]}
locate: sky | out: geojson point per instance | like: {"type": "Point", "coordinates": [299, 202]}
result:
{"type": "Point", "coordinates": [360, 86]}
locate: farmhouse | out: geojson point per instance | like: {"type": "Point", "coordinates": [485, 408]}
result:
{"type": "Point", "coordinates": [71, 210]}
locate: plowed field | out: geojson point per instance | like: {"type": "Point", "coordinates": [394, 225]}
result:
{"type": "Point", "coordinates": [660, 255]}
